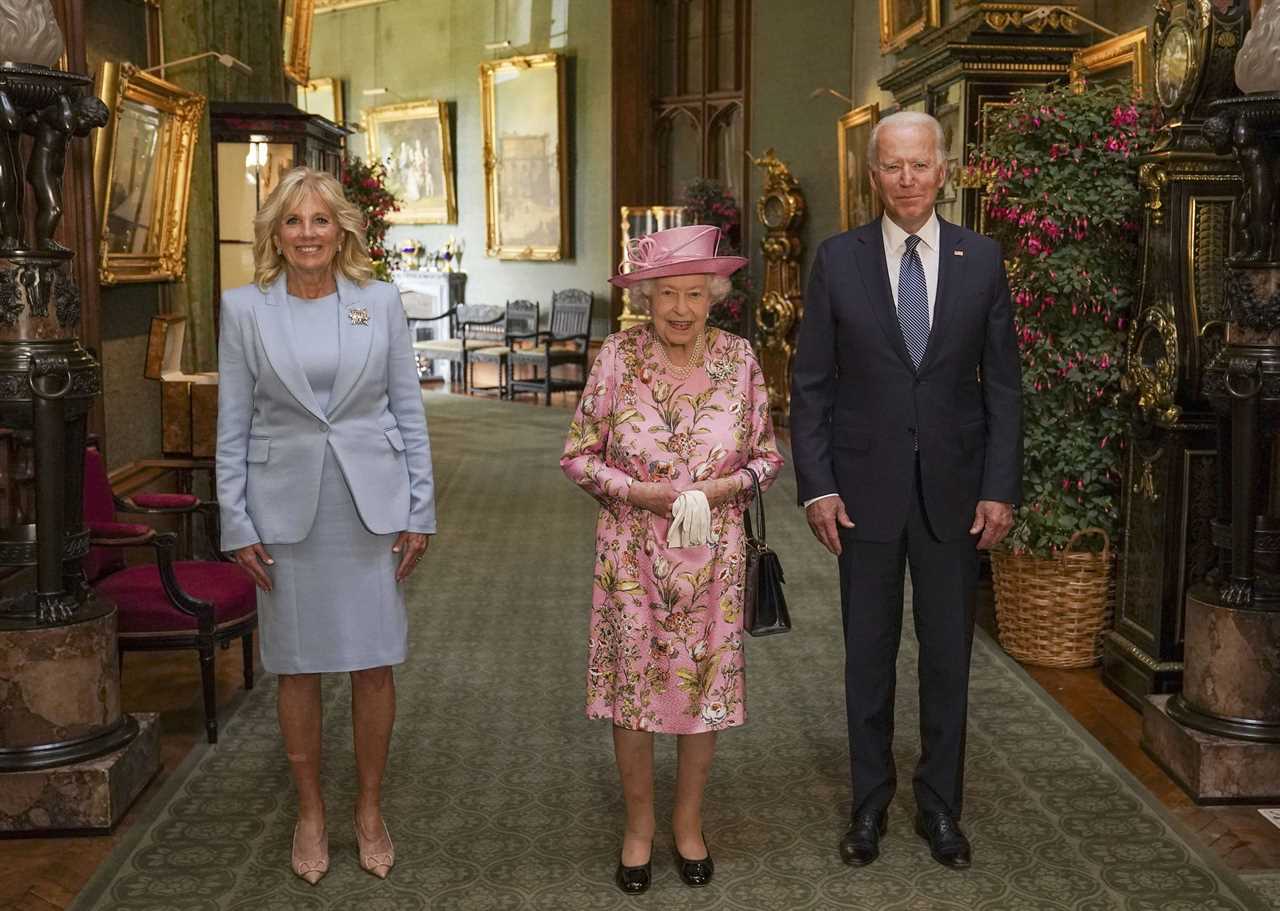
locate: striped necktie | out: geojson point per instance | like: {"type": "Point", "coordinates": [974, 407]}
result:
{"type": "Point", "coordinates": [913, 302]}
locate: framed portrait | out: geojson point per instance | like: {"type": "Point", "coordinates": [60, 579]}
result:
{"type": "Point", "coordinates": [1124, 58]}
{"type": "Point", "coordinates": [902, 21]}
{"type": "Point", "coordinates": [295, 34]}
{"type": "Point", "coordinates": [142, 175]}
{"type": "Point", "coordinates": [413, 141]}
{"type": "Point", "coordinates": [526, 187]}
{"type": "Point", "coordinates": [859, 203]}
{"type": "Point", "coordinates": [322, 96]}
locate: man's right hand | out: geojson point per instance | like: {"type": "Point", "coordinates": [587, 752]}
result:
{"type": "Point", "coordinates": [252, 559]}
{"type": "Point", "coordinates": [657, 498]}
{"type": "Point", "coordinates": [824, 515]}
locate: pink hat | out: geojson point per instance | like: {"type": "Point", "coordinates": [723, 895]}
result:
{"type": "Point", "coordinates": [690, 250]}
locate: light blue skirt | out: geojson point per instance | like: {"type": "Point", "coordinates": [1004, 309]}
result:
{"type": "Point", "coordinates": [334, 604]}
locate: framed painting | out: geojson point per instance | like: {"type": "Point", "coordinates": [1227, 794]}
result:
{"type": "Point", "coordinates": [1124, 58]}
{"type": "Point", "coordinates": [859, 203]}
{"type": "Point", "coordinates": [413, 140]}
{"type": "Point", "coordinates": [322, 96]}
{"type": "Point", "coordinates": [526, 186]}
{"type": "Point", "coordinates": [295, 34]}
{"type": "Point", "coordinates": [142, 175]}
{"type": "Point", "coordinates": [902, 21]}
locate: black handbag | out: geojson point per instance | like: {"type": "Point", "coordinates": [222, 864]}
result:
{"type": "Point", "coordinates": [764, 604]}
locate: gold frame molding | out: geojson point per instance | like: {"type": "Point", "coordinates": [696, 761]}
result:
{"type": "Point", "coordinates": [297, 50]}
{"type": "Point", "coordinates": [512, 66]}
{"type": "Point", "coordinates": [332, 6]}
{"type": "Point", "coordinates": [890, 40]}
{"type": "Point", "coordinates": [335, 87]}
{"type": "Point", "coordinates": [860, 116]}
{"type": "Point", "coordinates": [427, 109]}
{"type": "Point", "coordinates": [1132, 50]}
{"type": "Point", "coordinates": [183, 111]}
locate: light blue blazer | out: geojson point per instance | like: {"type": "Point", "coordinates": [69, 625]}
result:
{"type": "Point", "coordinates": [272, 433]}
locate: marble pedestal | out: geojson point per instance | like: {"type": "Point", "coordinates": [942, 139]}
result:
{"type": "Point", "coordinates": [89, 796]}
{"type": "Point", "coordinates": [1210, 768]}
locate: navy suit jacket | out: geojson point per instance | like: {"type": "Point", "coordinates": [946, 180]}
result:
{"type": "Point", "coordinates": [858, 406]}
{"type": "Point", "coordinates": [272, 432]}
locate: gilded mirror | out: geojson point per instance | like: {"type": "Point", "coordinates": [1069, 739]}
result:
{"type": "Point", "coordinates": [142, 175]}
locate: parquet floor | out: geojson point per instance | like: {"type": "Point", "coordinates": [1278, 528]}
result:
{"type": "Point", "coordinates": [46, 874]}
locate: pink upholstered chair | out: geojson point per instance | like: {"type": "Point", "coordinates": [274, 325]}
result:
{"type": "Point", "coordinates": [169, 604]}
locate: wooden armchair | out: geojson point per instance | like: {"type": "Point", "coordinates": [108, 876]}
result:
{"type": "Point", "coordinates": [172, 603]}
{"type": "Point", "coordinates": [476, 326]}
{"type": "Point", "coordinates": [521, 322]}
{"type": "Point", "coordinates": [564, 343]}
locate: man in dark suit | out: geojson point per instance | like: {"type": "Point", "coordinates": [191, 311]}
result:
{"type": "Point", "coordinates": [906, 424]}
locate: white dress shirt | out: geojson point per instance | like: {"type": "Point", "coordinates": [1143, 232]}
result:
{"type": "Point", "coordinates": [895, 247]}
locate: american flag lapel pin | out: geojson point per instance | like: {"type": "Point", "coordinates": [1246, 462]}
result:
{"type": "Point", "coordinates": [957, 253]}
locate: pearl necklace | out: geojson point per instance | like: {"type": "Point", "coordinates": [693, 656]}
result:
{"type": "Point", "coordinates": [695, 358]}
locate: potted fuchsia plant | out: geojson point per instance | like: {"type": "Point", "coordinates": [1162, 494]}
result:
{"type": "Point", "coordinates": [1059, 170]}
{"type": "Point", "coordinates": [365, 184]}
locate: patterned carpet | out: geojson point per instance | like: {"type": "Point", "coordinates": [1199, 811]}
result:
{"type": "Point", "coordinates": [501, 795]}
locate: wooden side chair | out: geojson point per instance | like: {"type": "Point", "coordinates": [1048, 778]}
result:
{"type": "Point", "coordinates": [564, 343]}
{"type": "Point", "coordinates": [521, 322]}
{"type": "Point", "coordinates": [169, 604]}
{"type": "Point", "coordinates": [476, 326]}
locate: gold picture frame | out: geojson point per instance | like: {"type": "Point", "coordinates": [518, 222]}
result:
{"type": "Point", "coordinates": [323, 96]}
{"type": "Point", "coordinates": [332, 6]}
{"type": "Point", "coordinates": [295, 35]}
{"type": "Point", "coordinates": [525, 176]}
{"type": "Point", "coordinates": [902, 21]}
{"type": "Point", "coordinates": [142, 175]}
{"type": "Point", "coordinates": [1126, 56]}
{"type": "Point", "coordinates": [859, 202]}
{"type": "Point", "coordinates": [415, 143]}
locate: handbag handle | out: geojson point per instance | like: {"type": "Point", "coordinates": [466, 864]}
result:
{"type": "Point", "coordinates": [755, 483]}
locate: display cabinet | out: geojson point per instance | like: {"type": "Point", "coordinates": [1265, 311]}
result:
{"type": "Point", "coordinates": [254, 145]}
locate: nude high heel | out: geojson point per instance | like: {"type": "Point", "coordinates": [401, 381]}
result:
{"type": "Point", "coordinates": [377, 863]}
{"type": "Point", "coordinates": [310, 869]}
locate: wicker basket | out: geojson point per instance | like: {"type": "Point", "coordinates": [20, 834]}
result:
{"type": "Point", "coordinates": [1052, 611]}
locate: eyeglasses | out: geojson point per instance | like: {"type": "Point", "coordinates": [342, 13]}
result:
{"type": "Point", "coordinates": [918, 168]}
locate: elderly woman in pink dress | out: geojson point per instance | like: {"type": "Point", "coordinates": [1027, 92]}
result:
{"type": "Point", "coordinates": [674, 416]}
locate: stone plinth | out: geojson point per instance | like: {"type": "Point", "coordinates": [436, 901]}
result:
{"type": "Point", "coordinates": [1210, 768]}
{"type": "Point", "coordinates": [88, 796]}
{"type": "Point", "coordinates": [60, 690]}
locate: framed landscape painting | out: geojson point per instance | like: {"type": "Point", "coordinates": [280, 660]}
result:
{"type": "Point", "coordinates": [859, 204]}
{"type": "Point", "coordinates": [526, 188]}
{"type": "Point", "coordinates": [414, 141]}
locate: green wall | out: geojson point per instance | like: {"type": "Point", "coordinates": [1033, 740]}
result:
{"type": "Point", "coordinates": [420, 49]}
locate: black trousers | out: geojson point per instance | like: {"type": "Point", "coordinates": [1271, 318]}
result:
{"type": "Point", "coordinates": [943, 577]}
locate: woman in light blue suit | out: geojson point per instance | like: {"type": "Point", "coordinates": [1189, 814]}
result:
{"type": "Point", "coordinates": [324, 485]}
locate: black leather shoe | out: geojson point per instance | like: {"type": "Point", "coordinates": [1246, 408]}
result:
{"type": "Point", "coordinates": [695, 872]}
{"type": "Point", "coordinates": [947, 843]}
{"type": "Point", "coordinates": [634, 880]}
{"type": "Point", "coordinates": [861, 843]}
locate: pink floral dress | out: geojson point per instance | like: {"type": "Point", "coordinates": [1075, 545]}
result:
{"type": "Point", "coordinates": [665, 652]}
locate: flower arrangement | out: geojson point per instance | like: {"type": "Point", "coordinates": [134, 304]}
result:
{"type": "Point", "coordinates": [365, 184]}
{"type": "Point", "coordinates": [1062, 197]}
{"type": "Point", "coordinates": [708, 203]}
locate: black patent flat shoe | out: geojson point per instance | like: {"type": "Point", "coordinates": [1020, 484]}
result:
{"type": "Point", "coordinates": [695, 873]}
{"type": "Point", "coordinates": [634, 880]}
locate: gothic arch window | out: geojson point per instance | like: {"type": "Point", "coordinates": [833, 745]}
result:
{"type": "Point", "coordinates": [700, 105]}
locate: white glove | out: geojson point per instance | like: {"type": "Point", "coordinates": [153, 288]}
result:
{"type": "Point", "coordinates": [691, 520]}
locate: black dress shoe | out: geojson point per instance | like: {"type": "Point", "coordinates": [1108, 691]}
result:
{"type": "Point", "coordinates": [634, 880]}
{"type": "Point", "coordinates": [861, 843]}
{"type": "Point", "coordinates": [947, 843]}
{"type": "Point", "coordinates": [695, 872]}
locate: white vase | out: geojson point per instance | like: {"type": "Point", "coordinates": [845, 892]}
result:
{"type": "Point", "coordinates": [1258, 63]}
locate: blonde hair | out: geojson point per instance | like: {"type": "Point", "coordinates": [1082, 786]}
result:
{"type": "Point", "coordinates": [352, 259]}
{"type": "Point", "coordinates": [718, 286]}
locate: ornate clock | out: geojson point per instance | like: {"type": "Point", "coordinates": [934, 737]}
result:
{"type": "Point", "coordinates": [1191, 195]}
{"type": "Point", "coordinates": [780, 209]}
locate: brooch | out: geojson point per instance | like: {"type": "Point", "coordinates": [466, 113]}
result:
{"type": "Point", "coordinates": [719, 371]}
{"type": "Point", "coordinates": [359, 316]}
